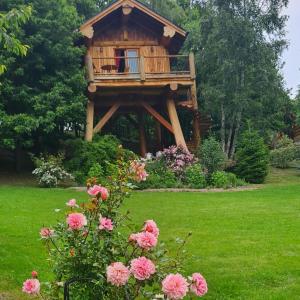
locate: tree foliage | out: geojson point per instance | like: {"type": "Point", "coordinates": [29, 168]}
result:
{"type": "Point", "coordinates": [237, 44]}
{"type": "Point", "coordinates": [252, 158]}
{"type": "Point", "coordinates": [10, 23]}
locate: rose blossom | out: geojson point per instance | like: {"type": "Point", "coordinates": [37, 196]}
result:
{"type": "Point", "coordinates": [150, 226]}
{"type": "Point", "coordinates": [31, 286]}
{"type": "Point", "coordinates": [72, 203]}
{"type": "Point", "coordinates": [46, 233]}
{"type": "Point", "coordinates": [175, 286]}
{"type": "Point", "coordinates": [139, 172]}
{"type": "Point", "coordinates": [34, 274]}
{"type": "Point", "coordinates": [76, 221]}
{"type": "Point", "coordinates": [146, 240]}
{"type": "Point", "coordinates": [133, 237]}
{"type": "Point", "coordinates": [199, 285]}
{"type": "Point", "coordinates": [117, 274]}
{"type": "Point", "coordinates": [106, 224]}
{"type": "Point", "coordinates": [96, 189]}
{"type": "Point", "coordinates": [142, 268]}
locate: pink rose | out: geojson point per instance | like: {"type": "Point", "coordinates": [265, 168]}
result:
{"type": "Point", "coordinates": [72, 203]}
{"type": "Point", "coordinates": [31, 286]}
{"type": "Point", "coordinates": [150, 226]}
{"type": "Point", "coordinates": [199, 285]}
{"type": "Point", "coordinates": [142, 268]}
{"type": "Point", "coordinates": [138, 170]}
{"type": "Point", "coordinates": [34, 274]}
{"type": "Point", "coordinates": [46, 233]}
{"type": "Point", "coordinates": [146, 240]}
{"type": "Point", "coordinates": [133, 237]}
{"type": "Point", "coordinates": [106, 224]}
{"type": "Point", "coordinates": [97, 189]}
{"type": "Point", "coordinates": [117, 274]}
{"type": "Point", "coordinates": [76, 221]}
{"type": "Point", "coordinates": [175, 286]}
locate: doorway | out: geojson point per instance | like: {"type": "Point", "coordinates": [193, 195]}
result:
{"type": "Point", "coordinates": [127, 61]}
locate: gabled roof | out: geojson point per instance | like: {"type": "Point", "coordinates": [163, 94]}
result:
{"type": "Point", "coordinates": [136, 5]}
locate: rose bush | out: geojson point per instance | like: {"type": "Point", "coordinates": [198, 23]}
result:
{"type": "Point", "coordinates": [90, 250]}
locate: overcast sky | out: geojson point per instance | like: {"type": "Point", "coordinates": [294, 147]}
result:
{"type": "Point", "coordinates": [291, 57]}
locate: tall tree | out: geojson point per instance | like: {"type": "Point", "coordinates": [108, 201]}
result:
{"type": "Point", "coordinates": [240, 44]}
{"type": "Point", "coordinates": [43, 94]}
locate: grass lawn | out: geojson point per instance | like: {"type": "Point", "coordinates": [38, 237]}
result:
{"type": "Point", "coordinates": [247, 244]}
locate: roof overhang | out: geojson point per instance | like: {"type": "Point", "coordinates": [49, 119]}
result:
{"type": "Point", "coordinates": [87, 28]}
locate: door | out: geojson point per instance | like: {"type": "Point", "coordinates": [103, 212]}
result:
{"type": "Point", "coordinates": [132, 60]}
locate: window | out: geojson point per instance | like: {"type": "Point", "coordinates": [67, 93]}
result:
{"type": "Point", "coordinates": [127, 60]}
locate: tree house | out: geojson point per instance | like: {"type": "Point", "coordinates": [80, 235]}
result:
{"type": "Point", "coordinates": [133, 66]}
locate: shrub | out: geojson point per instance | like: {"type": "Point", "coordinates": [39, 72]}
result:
{"type": "Point", "coordinates": [49, 170]}
{"type": "Point", "coordinates": [219, 179]}
{"type": "Point", "coordinates": [83, 156]}
{"type": "Point", "coordinates": [194, 177]}
{"type": "Point", "coordinates": [211, 156]}
{"type": "Point", "coordinates": [285, 152]}
{"type": "Point", "coordinates": [89, 248]}
{"type": "Point", "coordinates": [177, 159]}
{"type": "Point", "coordinates": [96, 171]}
{"type": "Point", "coordinates": [159, 176]}
{"type": "Point", "coordinates": [252, 158]}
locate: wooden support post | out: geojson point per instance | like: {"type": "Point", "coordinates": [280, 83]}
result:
{"type": "Point", "coordinates": [192, 65]}
{"type": "Point", "coordinates": [196, 116]}
{"type": "Point", "coordinates": [142, 68]}
{"type": "Point", "coordinates": [158, 135]}
{"type": "Point", "coordinates": [179, 138]}
{"type": "Point", "coordinates": [106, 117]}
{"type": "Point", "coordinates": [143, 144]}
{"type": "Point", "coordinates": [89, 121]}
{"type": "Point", "coordinates": [89, 67]}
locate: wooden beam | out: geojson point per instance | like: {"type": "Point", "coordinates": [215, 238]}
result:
{"type": "Point", "coordinates": [106, 117]}
{"type": "Point", "coordinates": [125, 43]}
{"type": "Point", "coordinates": [126, 9]}
{"type": "Point", "coordinates": [89, 121]}
{"type": "Point", "coordinates": [168, 34]}
{"type": "Point", "coordinates": [87, 31]}
{"type": "Point", "coordinates": [174, 86]}
{"type": "Point", "coordinates": [157, 116]}
{"type": "Point", "coordinates": [92, 88]}
{"type": "Point", "coordinates": [143, 144]}
{"type": "Point", "coordinates": [179, 138]}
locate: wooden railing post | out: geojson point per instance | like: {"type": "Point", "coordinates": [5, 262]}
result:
{"type": "Point", "coordinates": [142, 68]}
{"type": "Point", "coordinates": [192, 65]}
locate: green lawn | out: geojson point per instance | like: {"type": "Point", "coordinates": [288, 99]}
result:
{"type": "Point", "coordinates": [247, 244]}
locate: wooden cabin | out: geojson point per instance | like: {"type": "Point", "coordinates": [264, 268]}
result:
{"type": "Point", "coordinates": [134, 66]}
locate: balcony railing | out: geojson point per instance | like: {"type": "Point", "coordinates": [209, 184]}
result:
{"type": "Point", "coordinates": [141, 67]}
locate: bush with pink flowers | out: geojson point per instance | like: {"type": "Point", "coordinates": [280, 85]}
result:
{"type": "Point", "coordinates": [91, 252]}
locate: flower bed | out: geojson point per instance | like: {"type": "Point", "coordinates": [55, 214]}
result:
{"type": "Point", "coordinates": [90, 244]}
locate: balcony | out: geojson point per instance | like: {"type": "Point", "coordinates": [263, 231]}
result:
{"type": "Point", "coordinates": [141, 70]}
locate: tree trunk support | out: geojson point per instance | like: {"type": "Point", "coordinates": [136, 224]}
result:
{"type": "Point", "coordinates": [179, 138]}
{"type": "Point", "coordinates": [158, 135]}
{"type": "Point", "coordinates": [143, 144]}
{"type": "Point", "coordinates": [89, 121]}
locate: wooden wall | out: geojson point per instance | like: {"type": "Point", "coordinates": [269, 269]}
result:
{"type": "Point", "coordinates": [131, 36]}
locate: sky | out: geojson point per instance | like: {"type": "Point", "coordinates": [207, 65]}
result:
{"type": "Point", "coordinates": [291, 56]}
